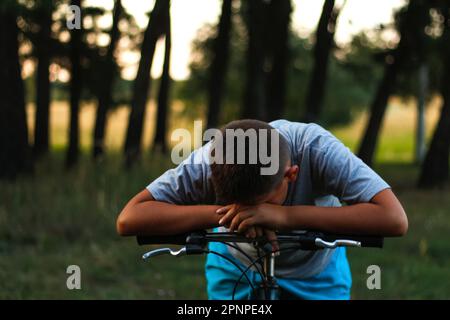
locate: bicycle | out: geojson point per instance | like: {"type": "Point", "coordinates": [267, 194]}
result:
{"type": "Point", "coordinates": [196, 243]}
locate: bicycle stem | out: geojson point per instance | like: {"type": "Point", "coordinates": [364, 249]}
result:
{"type": "Point", "coordinates": [269, 289]}
{"type": "Point", "coordinates": [269, 266]}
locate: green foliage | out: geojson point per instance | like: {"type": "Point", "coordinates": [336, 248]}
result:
{"type": "Point", "coordinates": [352, 77]}
{"type": "Point", "coordinates": [350, 85]}
{"type": "Point", "coordinates": [354, 69]}
{"type": "Point", "coordinates": [424, 46]}
{"type": "Point", "coordinates": [194, 90]}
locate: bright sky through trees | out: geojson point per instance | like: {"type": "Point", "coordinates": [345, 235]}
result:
{"type": "Point", "coordinates": [189, 16]}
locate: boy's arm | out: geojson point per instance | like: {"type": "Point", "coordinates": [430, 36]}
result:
{"type": "Point", "coordinates": [383, 216]}
{"type": "Point", "coordinates": [171, 203]}
{"type": "Point", "coordinates": [145, 216]}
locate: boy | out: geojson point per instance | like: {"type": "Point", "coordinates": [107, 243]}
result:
{"type": "Point", "coordinates": [314, 174]}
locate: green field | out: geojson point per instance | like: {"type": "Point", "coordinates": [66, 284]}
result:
{"type": "Point", "coordinates": [56, 219]}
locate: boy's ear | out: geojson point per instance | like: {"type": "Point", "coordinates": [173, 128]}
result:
{"type": "Point", "coordinates": [292, 172]}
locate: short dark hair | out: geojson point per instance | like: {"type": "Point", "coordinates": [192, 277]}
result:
{"type": "Point", "coordinates": [244, 183]}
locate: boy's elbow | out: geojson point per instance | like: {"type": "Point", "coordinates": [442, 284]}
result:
{"type": "Point", "coordinates": [399, 224]}
{"type": "Point", "coordinates": [123, 225]}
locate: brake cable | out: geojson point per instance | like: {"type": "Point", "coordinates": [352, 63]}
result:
{"type": "Point", "coordinates": [250, 259]}
{"type": "Point", "coordinates": [243, 273]}
{"type": "Point", "coordinates": [256, 261]}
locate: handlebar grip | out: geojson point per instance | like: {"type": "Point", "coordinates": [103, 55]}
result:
{"type": "Point", "coordinates": [174, 239]}
{"type": "Point", "coordinates": [366, 241]}
{"type": "Point", "coordinates": [181, 238]}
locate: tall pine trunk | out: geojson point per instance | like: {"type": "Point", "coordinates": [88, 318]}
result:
{"type": "Point", "coordinates": [410, 29]}
{"type": "Point", "coordinates": [322, 49]}
{"type": "Point", "coordinates": [141, 88]}
{"type": "Point", "coordinates": [105, 93]}
{"type": "Point", "coordinates": [219, 65]}
{"type": "Point", "coordinates": [279, 15]}
{"type": "Point", "coordinates": [41, 127]}
{"type": "Point", "coordinates": [163, 94]}
{"type": "Point", "coordinates": [75, 87]}
{"type": "Point", "coordinates": [255, 86]}
{"type": "Point", "coordinates": [14, 149]}
{"type": "Point", "coordinates": [435, 168]}
{"type": "Point", "coordinates": [377, 111]}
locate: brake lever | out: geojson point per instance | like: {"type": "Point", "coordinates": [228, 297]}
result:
{"type": "Point", "coordinates": [162, 251]}
{"type": "Point", "coordinates": [336, 243]}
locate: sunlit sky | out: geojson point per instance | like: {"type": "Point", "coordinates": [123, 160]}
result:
{"type": "Point", "coordinates": [189, 15]}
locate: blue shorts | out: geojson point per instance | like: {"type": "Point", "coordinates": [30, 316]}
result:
{"type": "Point", "coordinates": [334, 282]}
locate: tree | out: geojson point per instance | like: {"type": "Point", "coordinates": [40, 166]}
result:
{"type": "Point", "coordinates": [14, 149]}
{"type": "Point", "coordinates": [75, 88]}
{"type": "Point", "coordinates": [408, 28]}
{"type": "Point", "coordinates": [104, 96]}
{"type": "Point", "coordinates": [142, 82]}
{"type": "Point", "coordinates": [44, 12]}
{"type": "Point", "coordinates": [278, 51]}
{"type": "Point", "coordinates": [421, 57]}
{"type": "Point", "coordinates": [352, 76]}
{"type": "Point", "coordinates": [435, 168]}
{"type": "Point", "coordinates": [267, 58]}
{"type": "Point", "coordinates": [322, 49]}
{"type": "Point", "coordinates": [219, 64]}
{"type": "Point", "coordinates": [163, 95]}
{"type": "Point", "coordinates": [254, 96]}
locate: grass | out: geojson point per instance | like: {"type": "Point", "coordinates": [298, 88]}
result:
{"type": "Point", "coordinates": [57, 218]}
{"type": "Point", "coordinates": [415, 266]}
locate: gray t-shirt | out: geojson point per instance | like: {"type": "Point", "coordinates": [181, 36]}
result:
{"type": "Point", "coordinates": [329, 174]}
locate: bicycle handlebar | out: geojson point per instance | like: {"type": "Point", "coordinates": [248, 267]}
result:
{"type": "Point", "coordinates": [310, 239]}
{"type": "Point", "coordinates": [170, 239]}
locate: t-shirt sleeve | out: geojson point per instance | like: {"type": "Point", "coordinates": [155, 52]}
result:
{"type": "Point", "coordinates": [340, 172]}
{"type": "Point", "coordinates": [185, 184]}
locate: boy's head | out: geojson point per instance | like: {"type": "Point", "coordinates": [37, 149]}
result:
{"type": "Point", "coordinates": [244, 183]}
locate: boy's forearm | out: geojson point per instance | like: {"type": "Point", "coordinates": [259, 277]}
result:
{"type": "Point", "coordinates": [362, 218]}
{"type": "Point", "coordinates": [159, 218]}
{"type": "Point", "coordinates": [383, 215]}
{"type": "Point", "coordinates": [332, 219]}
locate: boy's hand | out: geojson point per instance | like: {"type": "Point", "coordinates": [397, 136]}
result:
{"type": "Point", "coordinates": [241, 218]}
{"type": "Point", "coordinates": [254, 221]}
{"type": "Point", "coordinates": [258, 232]}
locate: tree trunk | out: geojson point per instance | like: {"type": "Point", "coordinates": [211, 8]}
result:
{"type": "Point", "coordinates": [421, 104]}
{"type": "Point", "coordinates": [75, 94]}
{"type": "Point", "coordinates": [435, 171]}
{"type": "Point", "coordinates": [14, 149]}
{"type": "Point", "coordinates": [254, 97]}
{"type": "Point", "coordinates": [280, 11]}
{"type": "Point", "coordinates": [322, 49]}
{"type": "Point", "coordinates": [411, 29]}
{"type": "Point", "coordinates": [41, 127]}
{"type": "Point", "coordinates": [141, 88]}
{"type": "Point", "coordinates": [378, 109]}
{"type": "Point", "coordinates": [163, 95]}
{"type": "Point", "coordinates": [105, 94]}
{"type": "Point", "coordinates": [219, 65]}
{"type": "Point", "coordinates": [435, 168]}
